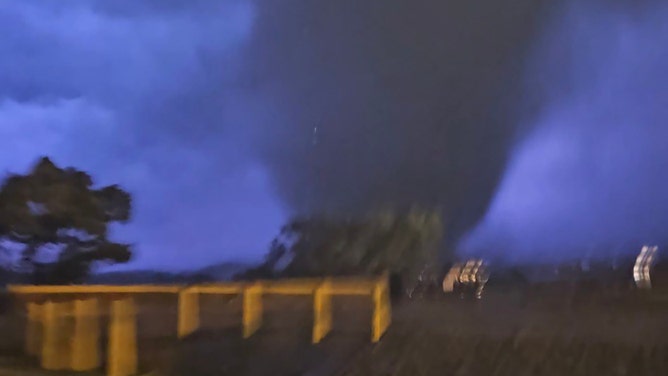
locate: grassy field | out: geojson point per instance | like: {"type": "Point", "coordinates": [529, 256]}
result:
{"type": "Point", "coordinates": [550, 331]}
{"type": "Point", "coordinates": [556, 335]}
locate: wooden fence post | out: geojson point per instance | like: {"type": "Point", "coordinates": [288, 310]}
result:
{"type": "Point", "coordinates": [252, 314]}
{"type": "Point", "coordinates": [86, 338]}
{"type": "Point", "coordinates": [33, 340]}
{"type": "Point", "coordinates": [55, 340]}
{"type": "Point", "coordinates": [382, 312]}
{"type": "Point", "coordinates": [188, 320]}
{"type": "Point", "coordinates": [122, 357]}
{"type": "Point", "coordinates": [322, 311]}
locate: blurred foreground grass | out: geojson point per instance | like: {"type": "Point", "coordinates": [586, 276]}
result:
{"type": "Point", "coordinates": [549, 331]}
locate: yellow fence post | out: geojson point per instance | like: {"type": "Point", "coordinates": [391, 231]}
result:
{"type": "Point", "coordinates": [252, 314]}
{"type": "Point", "coordinates": [382, 311]}
{"type": "Point", "coordinates": [33, 341]}
{"type": "Point", "coordinates": [86, 338]}
{"type": "Point", "coordinates": [188, 313]}
{"type": "Point", "coordinates": [55, 340]}
{"type": "Point", "coordinates": [122, 352]}
{"type": "Point", "coordinates": [322, 311]}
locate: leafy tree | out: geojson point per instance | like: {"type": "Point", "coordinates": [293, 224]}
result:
{"type": "Point", "coordinates": [401, 244]}
{"type": "Point", "coordinates": [60, 222]}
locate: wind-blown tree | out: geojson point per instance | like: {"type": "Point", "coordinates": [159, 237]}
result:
{"type": "Point", "coordinates": [402, 244]}
{"type": "Point", "coordinates": [58, 223]}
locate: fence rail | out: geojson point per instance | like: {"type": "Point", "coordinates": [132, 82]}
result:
{"type": "Point", "coordinates": [64, 331]}
{"type": "Point", "coordinates": [93, 289]}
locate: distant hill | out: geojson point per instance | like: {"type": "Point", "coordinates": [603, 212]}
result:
{"type": "Point", "coordinates": [9, 277]}
{"type": "Point", "coordinates": [214, 273]}
{"type": "Point", "coordinates": [225, 271]}
{"type": "Point", "coordinates": [143, 277]}
{"type": "Point", "coordinates": [218, 272]}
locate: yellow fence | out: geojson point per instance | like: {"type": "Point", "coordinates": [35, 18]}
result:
{"type": "Point", "coordinates": [64, 333]}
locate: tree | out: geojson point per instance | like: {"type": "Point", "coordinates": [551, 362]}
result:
{"type": "Point", "coordinates": [402, 244]}
{"type": "Point", "coordinates": [59, 222]}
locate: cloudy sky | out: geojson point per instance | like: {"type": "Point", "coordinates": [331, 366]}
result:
{"type": "Point", "coordinates": [205, 111]}
{"type": "Point", "coordinates": [132, 91]}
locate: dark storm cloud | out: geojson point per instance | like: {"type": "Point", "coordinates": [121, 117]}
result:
{"type": "Point", "coordinates": [142, 93]}
{"type": "Point", "coordinates": [590, 179]}
{"type": "Point", "coordinates": [416, 102]}
{"type": "Point", "coordinates": [205, 110]}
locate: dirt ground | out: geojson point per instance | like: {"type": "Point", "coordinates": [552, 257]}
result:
{"type": "Point", "coordinates": [549, 331]}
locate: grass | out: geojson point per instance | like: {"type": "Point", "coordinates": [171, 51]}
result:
{"type": "Point", "coordinates": [557, 334]}
{"type": "Point", "coordinates": [547, 332]}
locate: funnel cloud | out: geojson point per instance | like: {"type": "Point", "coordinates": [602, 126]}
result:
{"type": "Point", "coordinates": [589, 180]}
{"type": "Point", "coordinates": [415, 103]}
